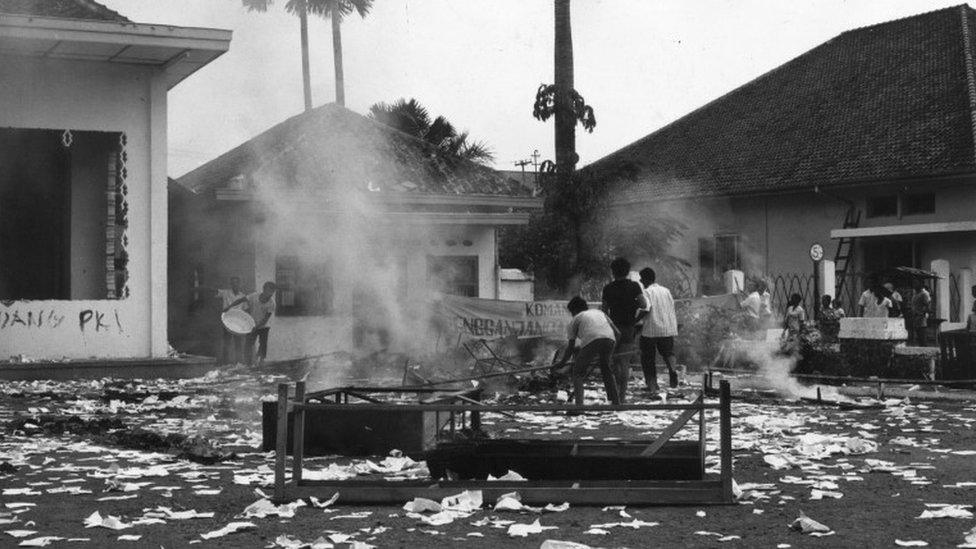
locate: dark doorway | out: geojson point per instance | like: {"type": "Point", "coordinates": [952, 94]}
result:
{"type": "Point", "coordinates": [63, 215]}
{"type": "Point", "coordinates": [34, 215]}
{"type": "Point", "coordinates": [886, 254]}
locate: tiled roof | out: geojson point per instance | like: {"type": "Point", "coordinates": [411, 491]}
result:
{"type": "Point", "coordinates": [64, 9]}
{"type": "Point", "coordinates": [334, 149]}
{"type": "Point", "coordinates": [890, 101]}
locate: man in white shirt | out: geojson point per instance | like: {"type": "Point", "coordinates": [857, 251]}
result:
{"type": "Point", "coordinates": [231, 344]}
{"type": "Point", "coordinates": [261, 305]}
{"type": "Point", "coordinates": [660, 328]}
{"type": "Point", "coordinates": [598, 336]}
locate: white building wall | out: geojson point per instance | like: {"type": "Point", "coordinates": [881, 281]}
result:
{"type": "Point", "coordinates": [299, 336]}
{"type": "Point", "coordinates": [56, 94]}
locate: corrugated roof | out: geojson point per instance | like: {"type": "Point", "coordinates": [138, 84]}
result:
{"type": "Point", "coordinates": [890, 101]}
{"type": "Point", "coordinates": [62, 9]}
{"type": "Point", "coordinates": [331, 148]}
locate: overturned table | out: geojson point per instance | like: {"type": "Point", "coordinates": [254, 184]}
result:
{"type": "Point", "coordinates": [634, 487]}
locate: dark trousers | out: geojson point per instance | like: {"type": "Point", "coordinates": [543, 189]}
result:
{"type": "Point", "coordinates": [261, 335]}
{"type": "Point", "coordinates": [231, 347]}
{"type": "Point", "coordinates": [648, 347]}
{"type": "Point", "coordinates": [600, 350]}
{"type": "Point", "coordinates": [626, 343]}
{"type": "Point", "coordinates": [921, 335]}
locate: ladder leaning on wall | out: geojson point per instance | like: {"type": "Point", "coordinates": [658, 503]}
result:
{"type": "Point", "coordinates": [845, 250]}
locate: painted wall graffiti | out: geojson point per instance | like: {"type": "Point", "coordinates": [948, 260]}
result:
{"type": "Point", "coordinates": [89, 320]}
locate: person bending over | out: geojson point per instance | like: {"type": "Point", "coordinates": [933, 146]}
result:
{"type": "Point", "coordinates": [598, 336]}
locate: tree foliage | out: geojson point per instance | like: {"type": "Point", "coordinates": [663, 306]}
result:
{"type": "Point", "coordinates": [412, 118]}
{"type": "Point", "coordinates": [580, 229]}
{"type": "Point", "coordinates": [545, 107]}
{"type": "Point", "coordinates": [324, 8]}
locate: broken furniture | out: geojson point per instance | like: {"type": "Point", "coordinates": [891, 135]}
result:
{"type": "Point", "coordinates": [958, 354]}
{"type": "Point", "coordinates": [577, 482]}
{"type": "Point", "coordinates": [352, 429]}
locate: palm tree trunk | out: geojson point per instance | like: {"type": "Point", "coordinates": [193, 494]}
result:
{"type": "Point", "coordinates": [565, 123]}
{"type": "Point", "coordinates": [306, 77]}
{"type": "Point", "coordinates": [337, 60]}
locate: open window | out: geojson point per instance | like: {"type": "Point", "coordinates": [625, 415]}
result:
{"type": "Point", "coordinates": [63, 215]}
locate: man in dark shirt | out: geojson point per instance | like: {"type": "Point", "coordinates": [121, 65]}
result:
{"type": "Point", "coordinates": [622, 298]}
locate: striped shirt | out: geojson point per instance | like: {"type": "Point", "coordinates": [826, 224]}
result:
{"type": "Point", "coordinates": [660, 320]}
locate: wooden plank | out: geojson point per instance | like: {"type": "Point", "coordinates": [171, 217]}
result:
{"type": "Point", "coordinates": [701, 435]}
{"type": "Point", "coordinates": [725, 438]}
{"type": "Point", "coordinates": [672, 429]}
{"type": "Point", "coordinates": [594, 496]}
{"type": "Point", "coordinates": [446, 407]}
{"type": "Point", "coordinates": [298, 434]}
{"type": "Point", "coordinates": [510, 485]}
{"type": "Point", "coordinates": [281, 444]}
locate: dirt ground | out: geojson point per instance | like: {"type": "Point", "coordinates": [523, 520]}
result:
{"type": "Point", "coordinates": [51, 483]}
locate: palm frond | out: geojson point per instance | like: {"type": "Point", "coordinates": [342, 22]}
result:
{"type": "Point", "coordinates": [441, 132]}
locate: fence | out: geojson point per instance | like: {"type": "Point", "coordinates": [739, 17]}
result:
{"type": "Point", "coordinates": [782, 286]}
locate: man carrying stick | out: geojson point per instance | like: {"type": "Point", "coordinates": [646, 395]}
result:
{"type": "Point", "coordinates": [598, 336]}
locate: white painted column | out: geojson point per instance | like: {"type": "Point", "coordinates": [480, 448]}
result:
{"type": "Point", "coordinates": [735, 281]}
{"type": "Point", "coordinates": [965, 292]}
{"type": "Point", "coordinates": [942, 296]}
{"type": "Point", "coordinates": [828, 278]}
{"type": "Point", "coordinates": [158, 219]}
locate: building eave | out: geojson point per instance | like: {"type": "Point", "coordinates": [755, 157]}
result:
{"type": "Point", "coordinates": [177, 52]}
{"type": "Point", "coordinates": [405, 199]}
{"type": "Point", "coordinates": [905, 230]}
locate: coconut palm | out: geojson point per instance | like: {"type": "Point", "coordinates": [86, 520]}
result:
{"type": "Point", "coordinates": [561, 99]}
{"type": "Point", "coordinates": [335, 10]}
{"type": "Point", "coordinates": [412, 118]}
{"type": "Point", "coordinates": [299, 8]}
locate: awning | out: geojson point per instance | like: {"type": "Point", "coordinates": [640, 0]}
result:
{"type": "Point", "coordinates": [904, 230]}
{"type": "Point", "coordinates": [177, 51]}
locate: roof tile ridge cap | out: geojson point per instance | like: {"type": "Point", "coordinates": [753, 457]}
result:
{"type": "Point", "coordinates": [901, 19]}
{"type": "Point", "coordinates": [967, 43]}
{"type": "Point", "coordinates": [97, 6]}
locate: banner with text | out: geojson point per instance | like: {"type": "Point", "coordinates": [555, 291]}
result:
{"type": "Point", "coordinates": [489, 318]}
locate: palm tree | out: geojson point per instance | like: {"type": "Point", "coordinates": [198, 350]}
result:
{"type": "Point", "coordinates": [561, 99]}
{"type": "Point", "coordinates": [412, 118]}
{"type": "Point", "coordinates": [335, 10]}
{"type": "Point", "coordinates": [565, 138]}
{"type": "Point", "coordinates": [299, 8]}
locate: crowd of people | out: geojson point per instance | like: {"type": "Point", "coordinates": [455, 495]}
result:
{"type": "Point", "coordinates": [634, 317]}
{"type": "Point", "coordinates": [879, 300]}
{"type": "Point", "coordinates": [639, 319]}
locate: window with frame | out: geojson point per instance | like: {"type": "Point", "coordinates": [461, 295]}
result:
{"type": "Point", "coordinates": [716, 255]}
{"type": "Point", "coordinates": [304, 288]}
{"type": "Point", "coordinates": [453, 274]}
{"type": "Point", "coordinates": [882, 206]}
{"type": "Point", "coordinates": [918, 203]}
{"type": "Point", "coordinates": [63, 214]}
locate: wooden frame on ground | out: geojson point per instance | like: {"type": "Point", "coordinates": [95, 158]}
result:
{"type": "Point", "coordinates": [709, 490]}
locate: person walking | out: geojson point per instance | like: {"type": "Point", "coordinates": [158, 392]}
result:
{"type": "Point", "coordinates": [622, 299]}
{"type": "Point", "coordinates": [597, 336]}
{"type": "Point", "coordinates": [659, 331]}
